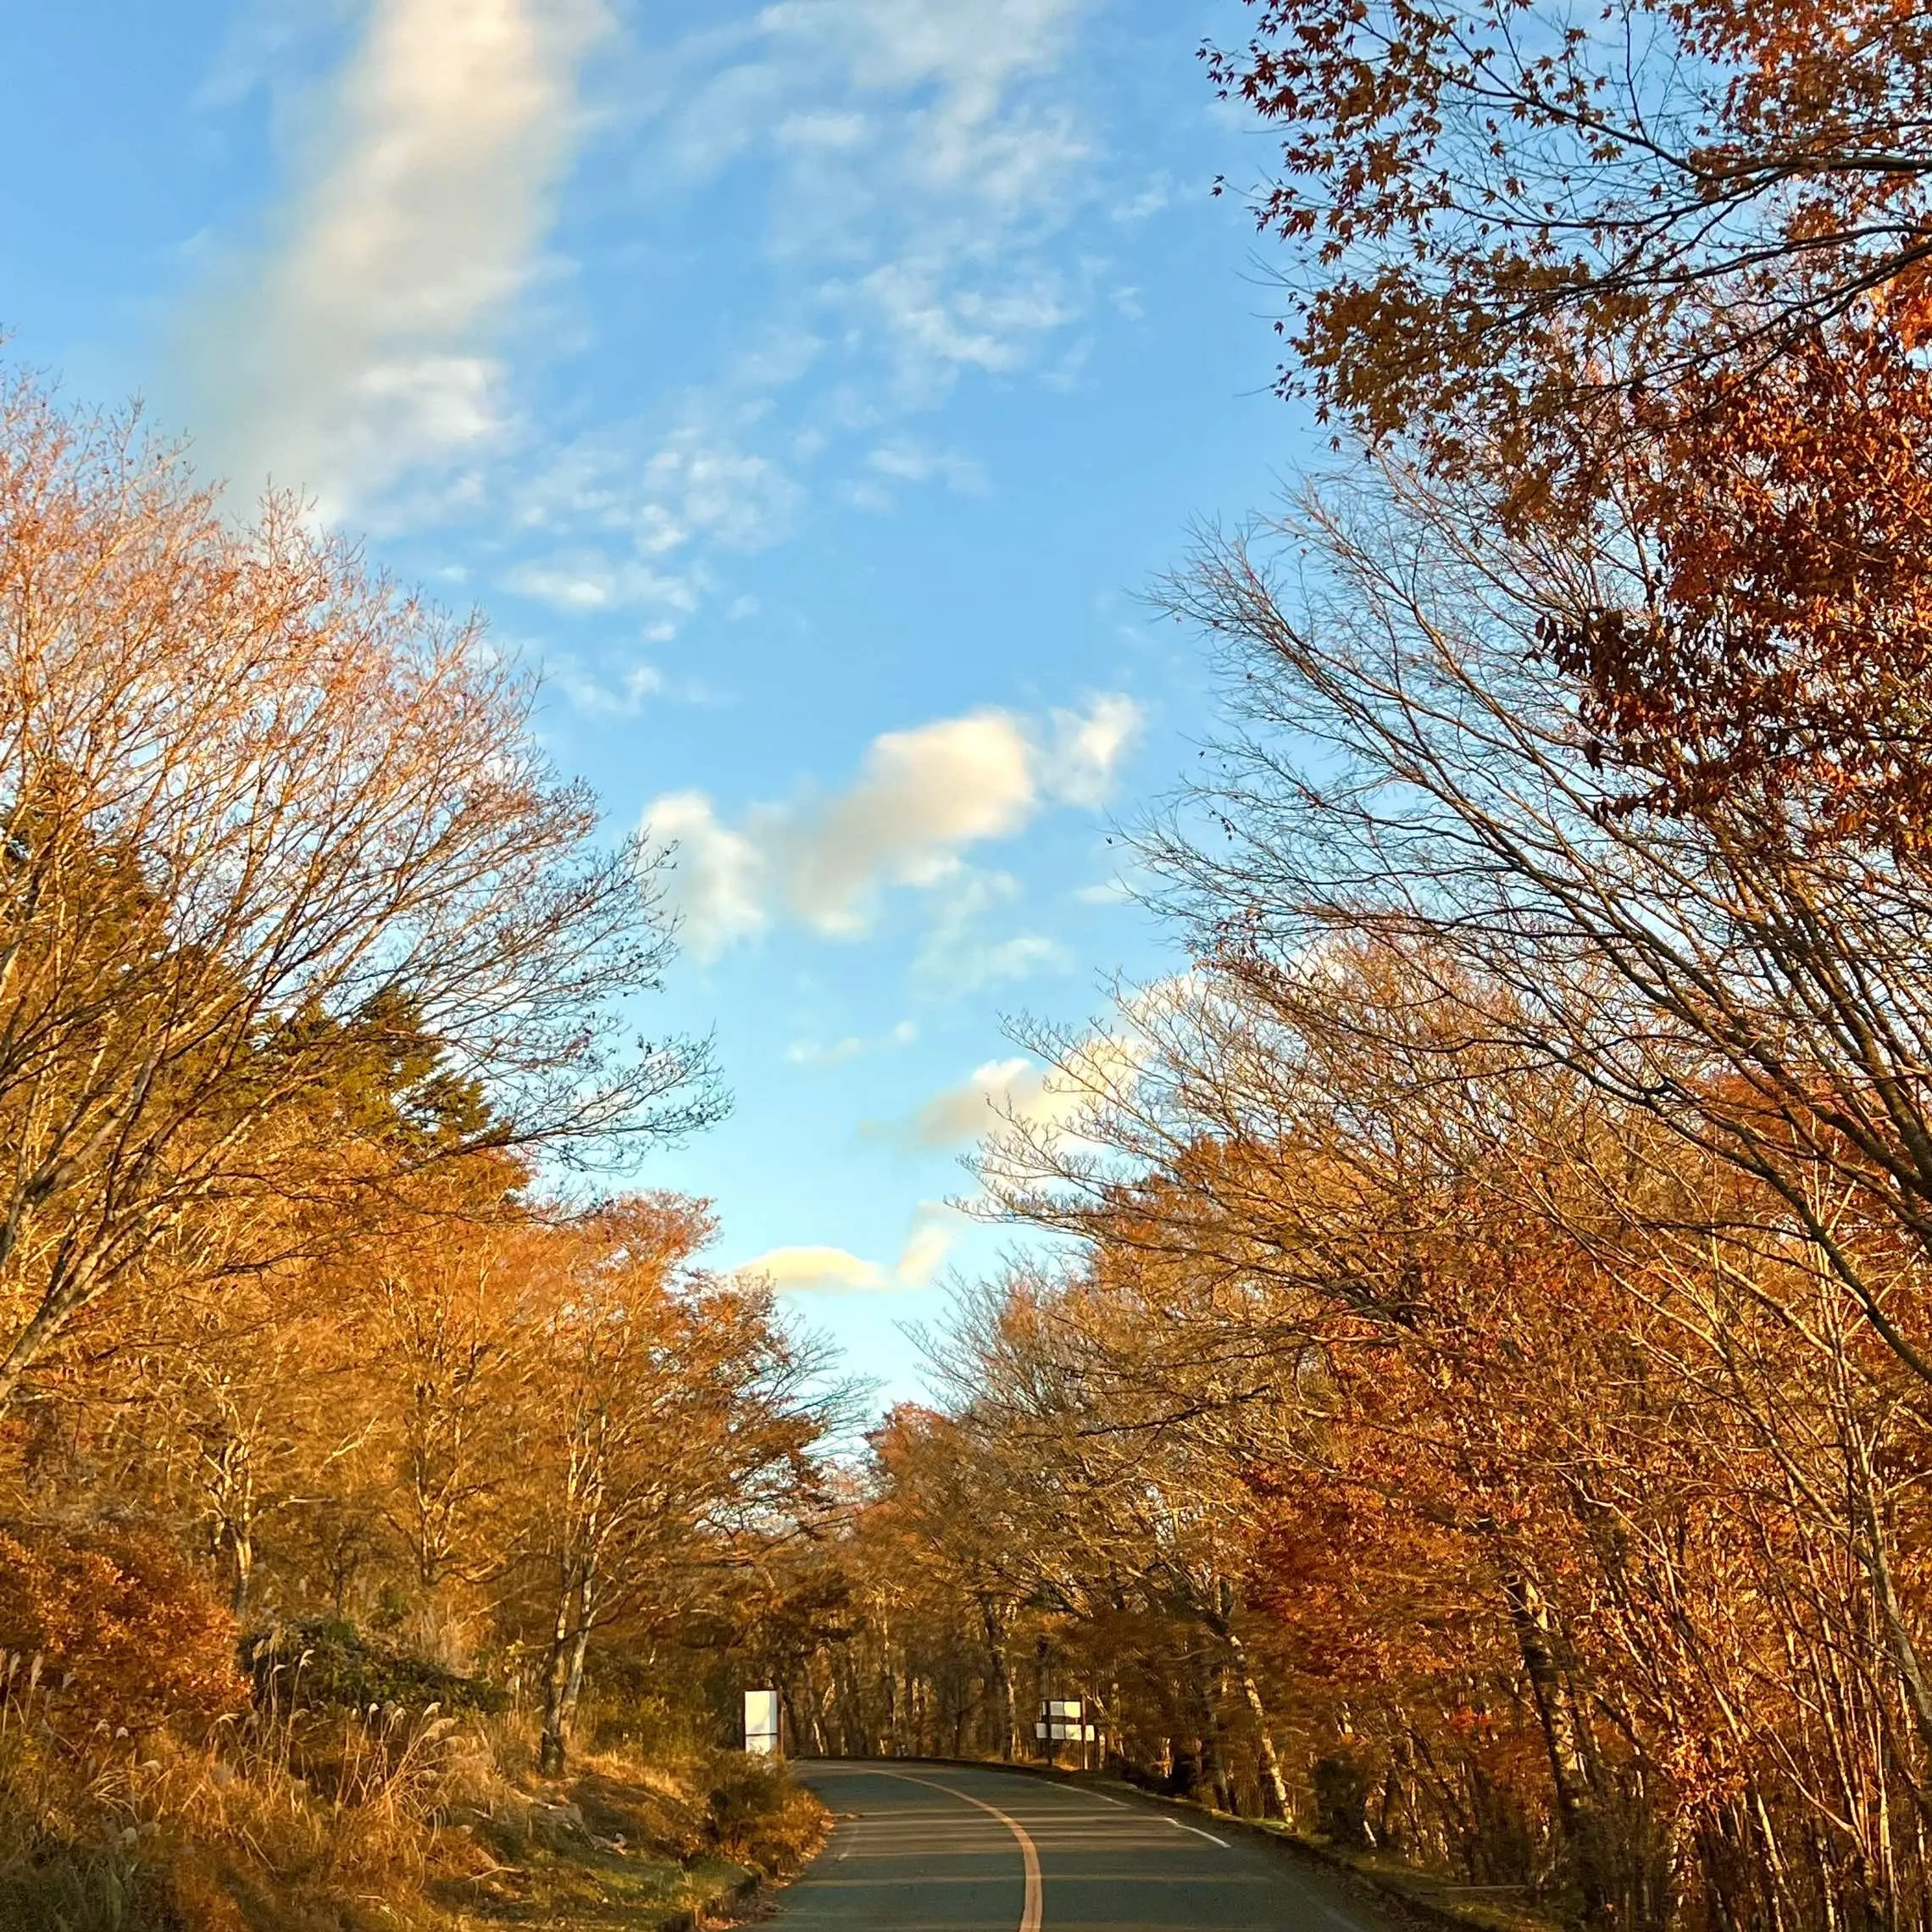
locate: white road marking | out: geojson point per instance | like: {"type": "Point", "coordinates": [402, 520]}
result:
{"type": "Point", "coordinates": [1199, 1832]}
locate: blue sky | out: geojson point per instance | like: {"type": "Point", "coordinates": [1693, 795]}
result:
{"type": "Point", "coordinates": [812, 389]}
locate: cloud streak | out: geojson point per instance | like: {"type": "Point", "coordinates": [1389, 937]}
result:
{"type": "Point", "coordinates": [947, 104]}
{"type": "Point", "coordinates": [1047, 1102]}
{"type": "Point", "coordinates": [916, 160]}
{"type": "Point", "coordinates": [359, 346]}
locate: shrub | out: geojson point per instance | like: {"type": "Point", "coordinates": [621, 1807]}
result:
{"type": "Point", "coordinates": [126, 1635]}
{"type": "Point", "coordinates": [325, 1661]}
{"type": "Point", "coordinates": [759, 1816]}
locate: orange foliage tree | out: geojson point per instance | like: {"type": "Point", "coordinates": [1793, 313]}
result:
{"type": "Point", "coordinates": [270, 826]}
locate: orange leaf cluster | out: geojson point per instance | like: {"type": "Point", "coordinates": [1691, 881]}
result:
{"type": "Point", "coordinates": [127, 1636]}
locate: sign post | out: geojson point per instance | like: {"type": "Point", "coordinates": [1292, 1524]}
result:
{"type": "Point", "coordinates": [1061, 1720]}
{"type": "Point", "coordinates": [761, 1723]}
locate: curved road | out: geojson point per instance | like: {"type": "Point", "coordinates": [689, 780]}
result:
{"type": "Point", "coordinates": [926, 1847]}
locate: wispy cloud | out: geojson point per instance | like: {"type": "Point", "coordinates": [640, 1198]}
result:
{"type": "Point", "coordinates": [962, 1114]}
{"type": "Point", "coordinates": [958, 956]}
{"type": "Point", "coordinates": [1019, 1092]}
{"type": "Point", "coordinates": [616, 520]}
{"type": "Point", "coordinates": [912, 163]}
{"type": "Point", "coordinates": [360, 343]}
{"type": "Point", "coordinates": [1089, 745]}
{"type": "Point", "coordinates": [836, 1053]}
{"type": "Point", "coordinates": [925, 154]}
{"type": "Point", "coordinates": [825, 1270]}
{"type": "Point", "coordinates": [594, 697]}
{"type": "Point", "coordinates": [905, 461]}
{"type": "Point", "coordinates": [916, 163]}
{"type": "Point", "coordinates": [921, 799]}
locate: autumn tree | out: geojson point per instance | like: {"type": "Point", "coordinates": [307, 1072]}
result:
{"type": "Point", "coordinates": [265, 817]}
{"type": "Point", "coordinates": [673, 1420]}
{"type": "Point", "coordinates": [1499, 212]}
{"type": "Point", "coordinates": [1565, 1147]}
{"type": "Point", "coordinates": [456, 1328]}
{"type": "Point", "coordinates": [1468, 1341]}
{"type": "Point", "coordinates": [1661, 273]}
{"type": "Point", "coordinates": [935, 1495]}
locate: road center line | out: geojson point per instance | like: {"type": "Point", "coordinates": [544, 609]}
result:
{"type": "Point", "coordinates": [1034, 1903]}
{"type": "Point", "coordinates": [1199, 1832]}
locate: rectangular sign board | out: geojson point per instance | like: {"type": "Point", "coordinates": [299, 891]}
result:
{"type": "Point", "coordinates": [1060, 1722]}
{"type": "Point", "coordinates": [761, 1723]}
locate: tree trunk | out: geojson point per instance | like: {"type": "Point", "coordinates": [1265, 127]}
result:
{"type": "Point", "coordinates": [241, 1547]}
{"type": "Point", "coordinates": [1213, 1759]}
{"type": "Point", "coordinates": [61, 1299]}
{"type": "Point", "coordinates": [1273, 1782]}
{"type": "Point", "coordinates": [1576, 1808]}
{"type": "Point", "coordinates": [564, 1672]}
{"type": "Point", "coordinates": [1002, 1685]}
{"type": "Point", "coordinates": [1043, 1678]}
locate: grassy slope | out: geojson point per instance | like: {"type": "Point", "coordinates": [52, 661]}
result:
{"type": "Point", "coordinates": [429, 1829]}
{"type": "Point", "coordinates": [620, 1845]}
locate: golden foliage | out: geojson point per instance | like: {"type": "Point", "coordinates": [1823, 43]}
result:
{"type": "Point", "coordinates": [116, 1633]}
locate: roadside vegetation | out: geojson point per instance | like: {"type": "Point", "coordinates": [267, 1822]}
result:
{"type": "Point", "coordinates": [379, 1526]}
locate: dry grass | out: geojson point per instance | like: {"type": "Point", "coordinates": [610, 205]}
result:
{"type": "Point", "coordinates": [352, 1822]}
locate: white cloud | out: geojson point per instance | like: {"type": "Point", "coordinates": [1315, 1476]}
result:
{"type": "Point", "coordinates": [1150, 199]}
{"type": "Point", "coordinates": [991, 963]}
{"type": "Point", "coordinates": [1019, 1092]}
{"type": "Point", "coordinates": [958, 957]}
{"type": "Point", "coordinates": [921, 799]}
{"type": "Point", "coordinates": [360, 345]}
{"type": "Point", "coordinates": [1089, 747]}
{"type": "Point", "coordinates": [718, 875]}
{"type": "Point", "coordinates": [936, 1227]}
{"type": "Point", "coordinates": [695, 480]}
{"type": "Point", "coordinates": [591, 697]}
{"type": "Point", "coordinates": [581, 582]}
{"type": "Point", "coordinates": [965, 1113]}
{"type": "Point", "coordinates": [907, 462]}
{"type": "Point", "coordinates": [626, 525]}
{"type": "Point", "coordinates": [824, 1270]}
{"type": "Point", "coordinates": [940, 328]}
{"type": "Point", "coordinates": [918, 159]}
{"type": "Point", "coordinates": [929, 152]}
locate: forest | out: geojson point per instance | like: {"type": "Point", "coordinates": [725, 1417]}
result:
{"type": "Point", "coordinates": [1462, 1384]}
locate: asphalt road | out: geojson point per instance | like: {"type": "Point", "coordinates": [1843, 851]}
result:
{"type": "Point", "coordinates": [965, 1848]}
